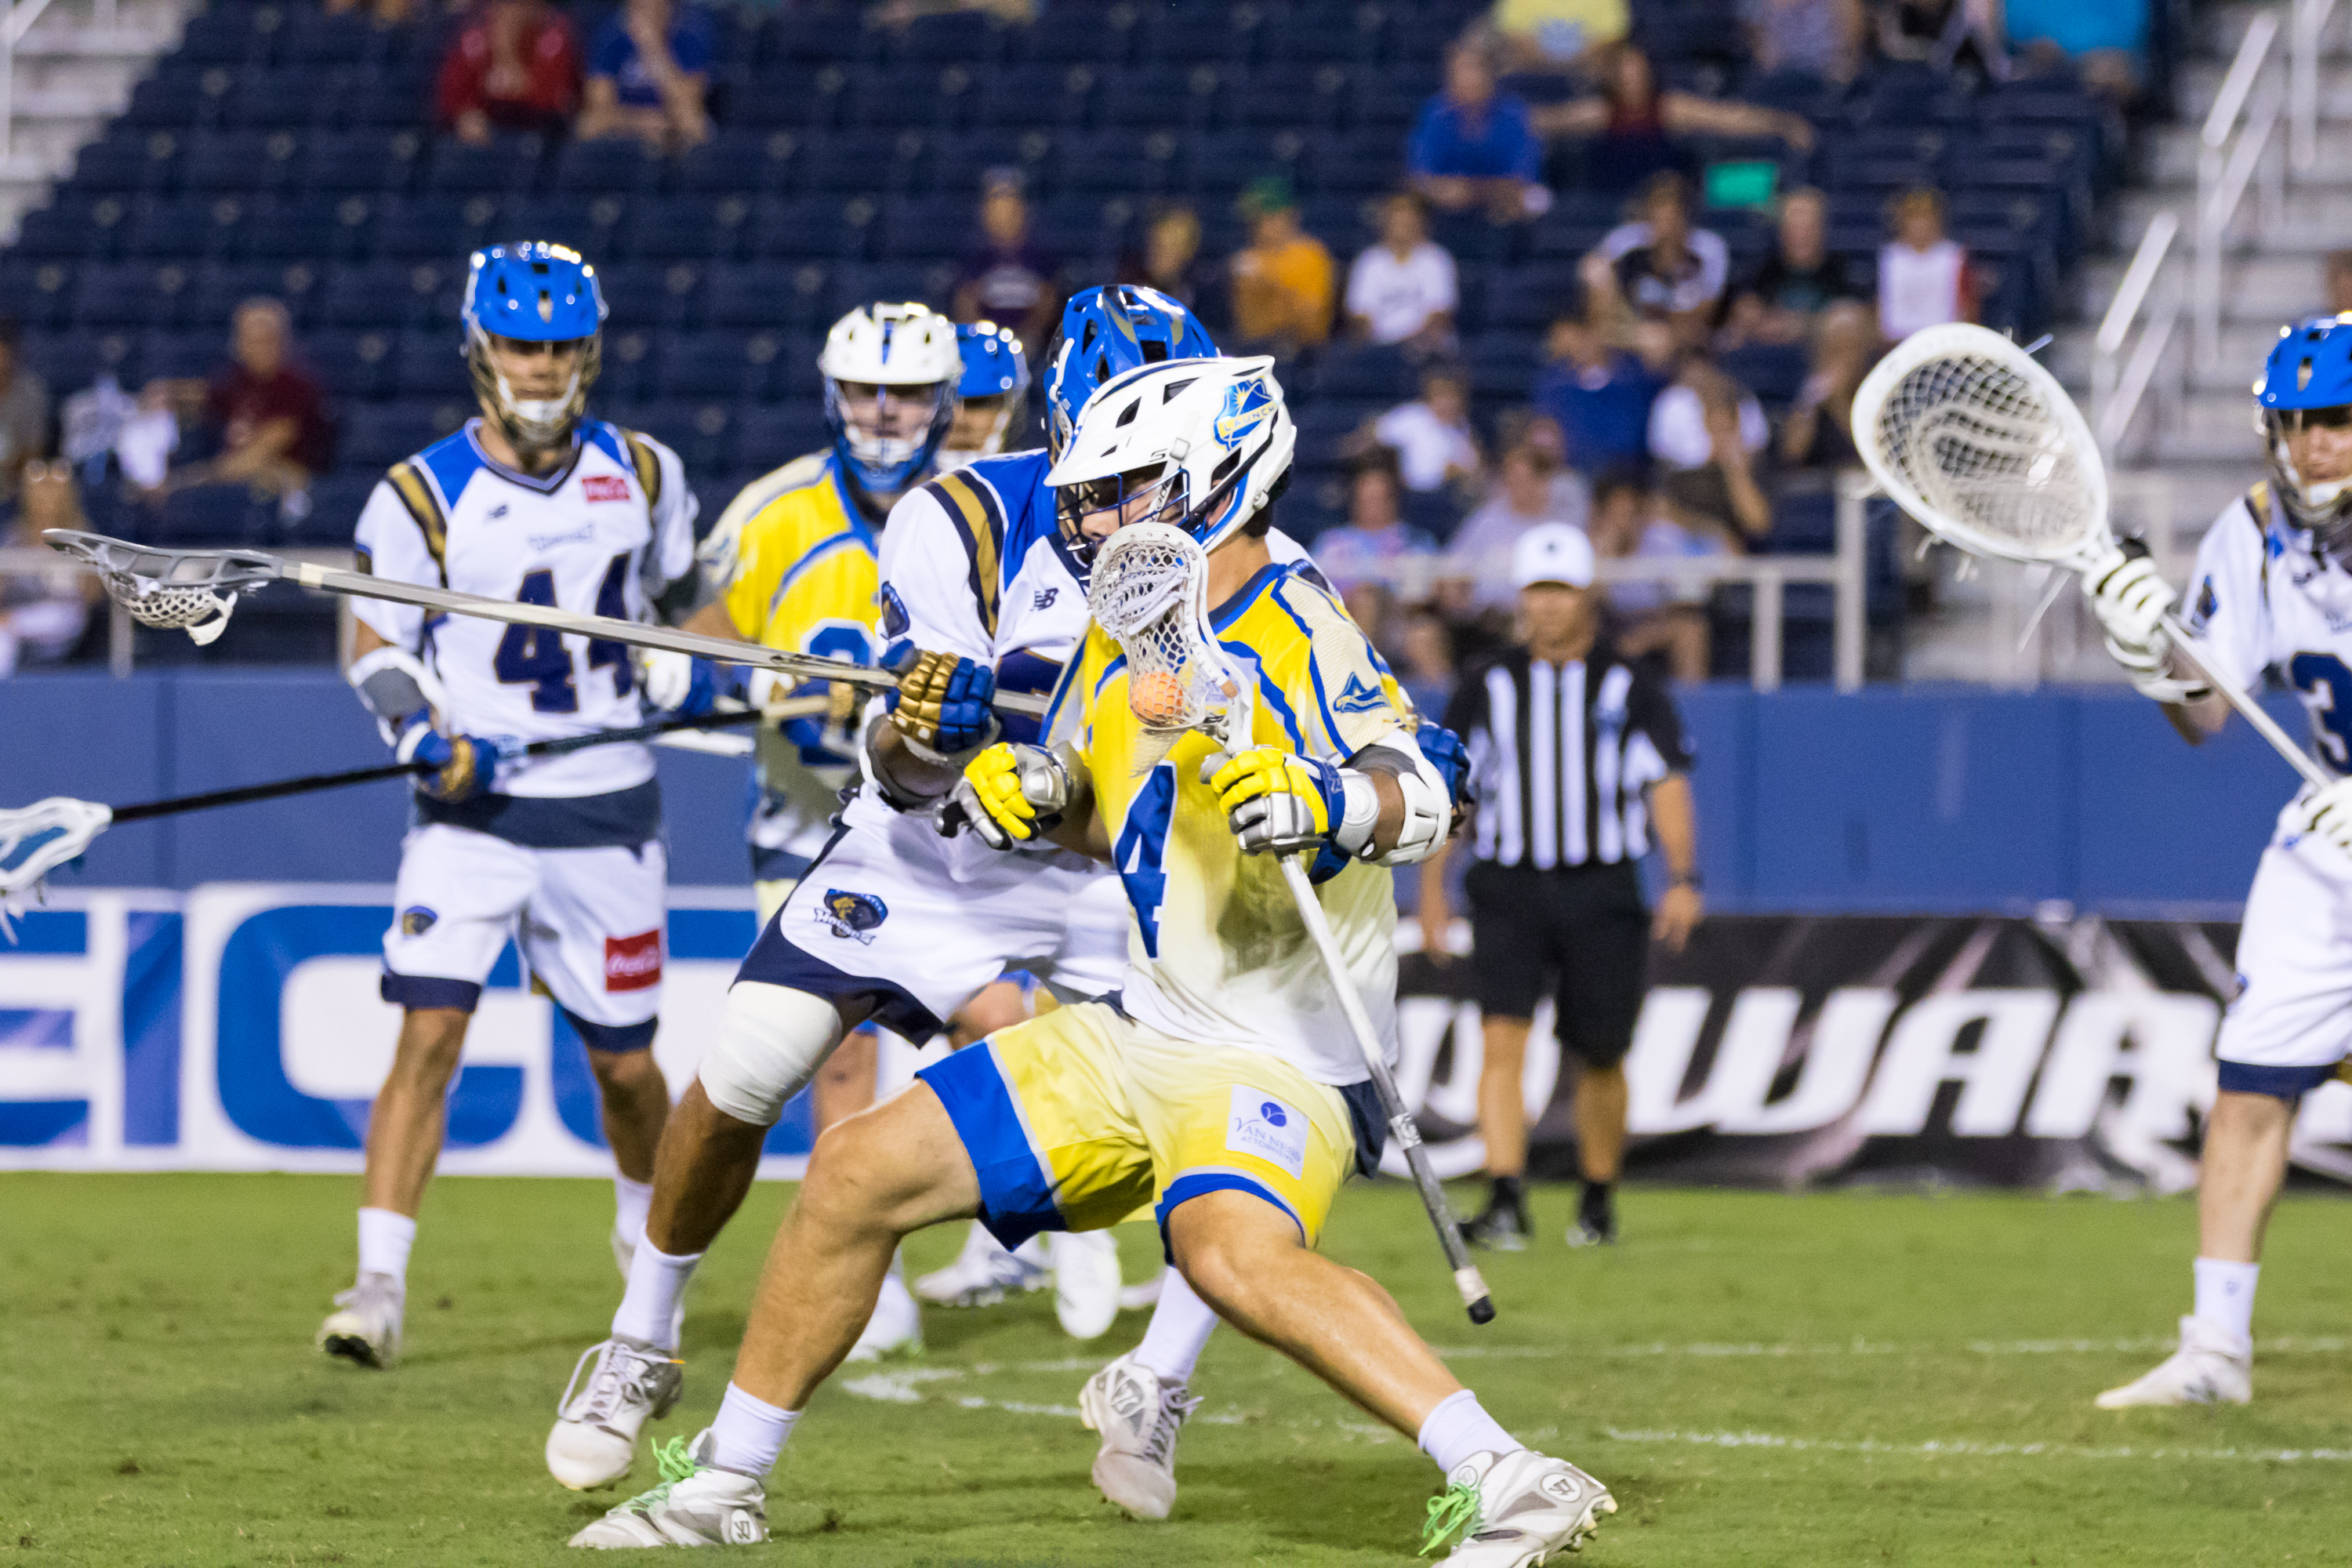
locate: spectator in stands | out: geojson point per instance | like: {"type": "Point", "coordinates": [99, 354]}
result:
{"type": "Point", "coordinates": [1599, 396]}
{"type": "Point", "coordinates": [1432, 439]}
{"type": "Point", "coordinates": [386, 13]}
{"type": "Point", "coordinates": [266, 411]}
{"type": "Point", "coordinates": [648, 70]}
{"type": "Point", "coordinates": [1425, 664]}
{"type": "Point", "coordinates": [516, 67]}
{"type": "Point", "coordinates": [42, 614]}
{"type": "Point", "coordinates": [1557, 34]}
{"type": "Point", "coordinates": [1171, 262]}
{"type": "Point", "coordinates": [1937, 33]}
{"type": "Point", "coordinates": [1404, 290]}
{"type": "Point", "coordinates": [1661, 619]}
{"type": "Point", "coordinates": [1285, 282]}
{"type": "Point", "coordinates": [1523, 496]}
{"type": "Point", "coordinates": [25, 414]}
{"type": "Point", "coordinates": [1009, 276]}
{"type": "Point", "coordinates": [1819, 433]}
{"type": "Point", "coordinates": [2339, 282]}
{"type": "Point", "coordinates": [1782, 296]}
{"type": "Point", "coordinates": [1475, 147]}
{"type": "Point", "coordinates": [1820, 37]}
{"type": "Point", "coordinates": [1631, 121]}
{"type": "Point", "coordinates": [1923, 278]}
{"type": "Point", "coordinates": [1375, 541]}
{"type": "Point", "coordinates": [1659, 267]}
{"type": "Point", "coordinates": [2102, 42]}
{"type": "Point", "coordinates": [1704, 432]}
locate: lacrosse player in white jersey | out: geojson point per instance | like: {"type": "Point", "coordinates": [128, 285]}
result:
{"type": "Point", "coordinates": [534, 502]}
{"type": "Point", "coordinates": [2272, 590]}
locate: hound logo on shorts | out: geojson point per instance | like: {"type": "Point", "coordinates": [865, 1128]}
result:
{"type": "Point", "coordinates": [417, 919]}
{"type": "Point", "coordinates": [851, 915]}
{"type": "Point", "coordinates": [632, 962]}
{"type": "Point", "coordinates": [1269, 1129]}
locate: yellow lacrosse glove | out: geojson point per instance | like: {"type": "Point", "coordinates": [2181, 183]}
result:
{"type": "Point", "coordinates": [1010, 794]}
{"type": "Point", "coordinates": [1276, 802]}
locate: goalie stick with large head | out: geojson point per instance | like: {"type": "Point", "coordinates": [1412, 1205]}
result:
{"type": "Point", "coordinates": [1149, 591]}
{"type": "Point", "coordinates": [197, 590]}
{"type": "Point", "coordinates": [1970, 435]}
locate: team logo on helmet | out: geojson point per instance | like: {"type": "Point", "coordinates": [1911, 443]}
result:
{"type": "Point", "coordinates": [852, 916]}
{"type": "Point", "coordinates": [1248, 404]}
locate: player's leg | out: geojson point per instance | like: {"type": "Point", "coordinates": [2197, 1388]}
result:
{"type": "Point", "coordinates": [845, 1086]}
{"type": "Point", "coordinates": [1603, 952]}
{"type": "Point", "coordinates": [2282, 1037]}
{"type": "Point", "coordinates": [1510, 958]}
{"type": "Point", "coordinates": [453, 903]}
{"type": "Point", "coordinates": [1087, 957]}
{"type": "Point", "coordinates": [986, 1271]}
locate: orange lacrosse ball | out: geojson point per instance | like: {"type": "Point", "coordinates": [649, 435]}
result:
{"type": "Point", "coordinates": [1157, 698]}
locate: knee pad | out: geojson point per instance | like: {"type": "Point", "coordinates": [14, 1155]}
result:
{"type": "Point", "coordinates": [771, 1039]}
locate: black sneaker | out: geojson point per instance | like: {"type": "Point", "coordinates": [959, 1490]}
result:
{"type": "Point", "coordinates": [1504, 1227]}
{"type": "Point", "coordinates": [1596, 1221]}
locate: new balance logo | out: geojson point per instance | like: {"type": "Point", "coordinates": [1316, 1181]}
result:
{"type": "Point", "coordinates": [1044, 599]}
{"type": "Point", "coordinates": [1358, 697]}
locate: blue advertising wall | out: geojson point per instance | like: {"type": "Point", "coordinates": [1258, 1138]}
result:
{"type": "Point", "coordinates": [1928, 799]}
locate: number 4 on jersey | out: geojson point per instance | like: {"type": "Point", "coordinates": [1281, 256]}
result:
{"type": "Point", "coordinates": [1142, 844]}
{"type": "Point", "coordinates": [534, 656]}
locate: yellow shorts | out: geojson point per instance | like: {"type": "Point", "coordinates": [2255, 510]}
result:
{"type": "Point", "coordinates": [1078, 1118]}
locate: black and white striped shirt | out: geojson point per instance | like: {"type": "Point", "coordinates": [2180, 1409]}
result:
{"type": "Point", "coordinates": [1560, 757]}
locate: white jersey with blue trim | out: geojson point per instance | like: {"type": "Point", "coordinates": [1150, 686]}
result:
{"type": "Point", "coordinates": [605, 534]}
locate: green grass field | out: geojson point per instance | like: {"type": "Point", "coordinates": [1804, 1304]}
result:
{"type": "Point", "coordinates": [1763, 1380]}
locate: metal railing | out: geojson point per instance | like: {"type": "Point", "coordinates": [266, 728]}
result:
{"type": "Point", "coordinates": [2124, 367]}
{"type": "Point", "coordinates": [2232, 148]}
{"type": "Point", "coordinates": [2303, 49]}
{"type": "Point", "coordinates": [16, 21]}
{"type": "Point", "coordinates": [35, 561]}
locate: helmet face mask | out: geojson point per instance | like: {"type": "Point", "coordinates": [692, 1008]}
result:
{"type": "Point", "coordinates": [995, 384]}
{"type": "Point", "coordinates": [1156, 493]}
{"type": "Point", "coordinates": [531, 424]}
{"type": "Point", "coordinates": [2304, 410]}
{"type": "Point", "coordinates": [890, 374]}
{"type": "Point", "coordinates": [533, 293]}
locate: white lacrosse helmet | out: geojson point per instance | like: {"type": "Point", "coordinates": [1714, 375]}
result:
{"type": "Point", "coordinates": [908, 346]}
{"type": "Point", "coordinates": [1210, 439]}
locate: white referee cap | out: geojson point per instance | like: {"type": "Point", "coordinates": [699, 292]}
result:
{"type": "Point", "coordinates": [1552, 552]}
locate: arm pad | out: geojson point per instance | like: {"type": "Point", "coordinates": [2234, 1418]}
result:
{"type": "Point", "coordinates": [1428, 803]}
{"type": "Point", "coordinates": [395, 686]}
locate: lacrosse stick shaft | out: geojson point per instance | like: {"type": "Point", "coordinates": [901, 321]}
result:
{"type": "Point", "coordinates": [2248, 708]}
{"type": "Point", "coordinates": [247, 793]}
{"type": "Point", "coordinates": [1467, 1278]}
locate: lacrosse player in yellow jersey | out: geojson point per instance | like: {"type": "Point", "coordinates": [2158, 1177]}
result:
{"type": "Point", "coordinates": [1221, 1089]}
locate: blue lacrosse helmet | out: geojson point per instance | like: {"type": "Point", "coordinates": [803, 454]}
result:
{"type": "Point", "coordinates": [2307, 381]}
{"type": "Point", "coordinates": [994, 364]}
{"type": "Point", "coordinates": [534, 292]}
{"type": "Point", "coordinates": [1105, 332]}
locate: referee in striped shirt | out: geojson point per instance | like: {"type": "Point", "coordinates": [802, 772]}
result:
{"type": "Point", "coordinates": [1576, 759]}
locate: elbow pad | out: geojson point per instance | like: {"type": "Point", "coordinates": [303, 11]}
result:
{"type": "Point", "coordinates": [396, 687]}
{"type": "Point", "coordinates": [1428, 802]}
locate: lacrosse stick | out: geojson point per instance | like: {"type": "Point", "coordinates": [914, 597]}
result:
{"type": "Point", "coordinates": [1150, 591]}
{"type": "Point", "coordinates": [1975, 439]}
{"type": "Point", "coordinates": [38, 838]}
{"type": "Point", "coordinates": [196, 591]}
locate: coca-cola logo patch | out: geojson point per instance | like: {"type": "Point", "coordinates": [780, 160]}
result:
{"type": "Point", "coordinates": [632, 962]}
{"type": "Point", "coordinates": [605, 486]}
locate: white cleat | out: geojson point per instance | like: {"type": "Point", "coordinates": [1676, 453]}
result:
{"type": "Point", "coordinates": [1085, 1281]}
{"type": "Point", "coordinates": [1515, 1510]}
{"type": "Point", "coordinates": [896, 1329]}
{"type": "Point", "coordinates": [365, 1325]}
{"type": "Point", "coordinates": [984, 1273]}
{"type": "Point", "coordinates": [697, 1504]}
{"type": "Point", "coordinates": [1138, 1412]}
{"type": "Point", "coordinates": [594, 1439]}
{"type": "Point", "coordinates": [2212, 1366]}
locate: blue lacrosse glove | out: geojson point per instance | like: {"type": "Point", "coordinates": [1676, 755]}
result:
{"type": "Point", "coordinates": [1447, 754]}
{"type": "Point", "coordinates": [463, 765]}
{"type": "Point", "coordinates": [941, 704]}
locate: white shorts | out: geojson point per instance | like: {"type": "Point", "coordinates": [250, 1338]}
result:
{"type": "Point", "coordinates": [588, 922]}
{"type": "Point", "coordinates": [2291, 1021]}
{"type": "Point", "coordinates": [883, 917]}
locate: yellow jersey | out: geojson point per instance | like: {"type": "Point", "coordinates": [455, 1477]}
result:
{"type": "Point", "coordinates": [1217, 953]}
{"type": "Point", "coordinates": [799, 566]}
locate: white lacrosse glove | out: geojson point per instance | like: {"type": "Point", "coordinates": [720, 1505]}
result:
{"type": "Point", "coordinates": [1279, 804]}
{"type": "Point", "coordinates": [2327, 814]}
{"type": "Point", "coordinates": [677, 682]}
{"type": "Point", "coordinates": [1008, 794]}
{"type": "Point", "coordinates": [2131, 599]}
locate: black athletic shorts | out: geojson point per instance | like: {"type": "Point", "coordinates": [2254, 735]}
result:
{"type": "Point", "coordinates": [1578, 935]}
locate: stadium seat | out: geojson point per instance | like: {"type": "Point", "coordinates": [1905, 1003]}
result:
{"type": "Point", "coordinates": [216, 289]}
{"type": "Point", "coordinates": [429, 364]}
{"type": "Point", "coordinates": [846, 163]}
{"type": "Point", "coordinates": [1367, 373]}
{"type": "Point", "coordinates": [775, 296]}
{"type": "Point", "coordinates": [39, 291]}
{"type": "Point", "coordinates": [317, 39]}
{"type": "Point", "coordinates": [383, 96]}
{"type": "Point", "coordinates": [768, 438]}
{"type": "Point", "coordinates": [1502, 364]}
{"type": "Point", "coordinates": [1018, 96]}
{"type": "Point", "coordinates": [176, 99]}
{"type": "Point", "coordinates": [128, 161]}
{"type": "Point", "coordinates": [894, 280]}
{"type": "Point", "coordinates": [186, 227]}
{"type": "Point", "coordinates": [378, 295]}
{"type": "Point", "coordinates": [960, 161]}
{"type": "Point", "coordinates": [239, 161]}
{"type": "Point", "coordinates": [1196, 30]}
{"type": "Point", "coordinates": [823, 37]}
{"type": "Point", "coordinates": [955, 39]}
{"type": "Point", "coordinates": [1294, 94]}
{"type": "Point", "coordinates": [1347, 163]}
{"type": "Point", "coordinates": [1116, 162]}
{"type": "Point", "coordinates": [722, 365]}
{"type": "Point", "coordinates": [651, 295]}
{"type": "Point", "coordinates": [336, 502]}
{"type": "Point", "coordinates": [1529, 298]}
{"type": "Point", "coordinates": [75, 226]}
{"type": "Point", "coordinates": [213, 514]}
{"type": "Point", "coordinates": [691, 228]}
{"type": "Point", "coordinates": [376, 163]}
{"type": "Point", "coordinates": [620, 165]}
{"type": "Point", "coordinates": [356, 365]}
{"type": "Point", "coordinates": [589, 224]}
{"type": "Point", "coordinates": [108, 294]}
{"type": "Point", "coordinates": [743, 162]}
{"type": "Point", "coordinates": [226, 35]}
{"type": "Point", "coordinates": [927, 228]}
{"type": "Point", "coordinates": [894, 97]}
{"type": "Point", "coordinates": [811, 227]}
{"type": "Point", "coordinates": [320, 225]}
{"type": "Point", "coordinates": [185, 354]}
{"type": "Point", "coordinates": [702, 433]}
{"type": "Point", "coordinates": [274, 100]}
{"type": "Point", "coordinates": [1775, 372]}
{"type": "Point", "coordinates": [1164, 95]}
{"type": "Point", "coordinates": [1069, 36]}
{"type": "Point", "coordinates": [1327, 35]}
{"type": "Point", "coordinates": [434, 228]}
{"type": "Point", "coordinates": [376, 436]}
{"type": "Point", "coordinates": [508, 165]}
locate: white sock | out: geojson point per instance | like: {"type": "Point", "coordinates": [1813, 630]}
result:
{"type": "Point", "coordinates": [630, 1202]}
{"type": "Point", "coordinates": [649, 1307]}
{"type": "Point", "coordinates": [2225, 1294]}
{"type": "Point", "coordinates": [749, 1434]}
{"type": "Point", "coordinates": [1459, 1427]}
{"type": "Point", "coordinates": [1179, 1331]}
{"type": "Point", "coordinates": [385, 1240]}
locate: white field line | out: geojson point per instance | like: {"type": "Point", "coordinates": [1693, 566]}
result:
{"type": "Point", "coordinates": [1965, 1448]}
{"type": "Point", "coordinates": [2282, 1344]}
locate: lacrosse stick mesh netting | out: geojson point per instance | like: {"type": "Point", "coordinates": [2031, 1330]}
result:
{"type": "Point", "coordinates": [1980, 443]}
{"type": "Point", "coordinates": [1149, 591]}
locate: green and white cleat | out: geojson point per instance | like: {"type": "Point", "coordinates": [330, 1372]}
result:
{"type": "Point", "coordinates": [697, 1504]}
{"type": "Point", "coordinates": [2212, 1366]}
{"type": "Point", "coordinates": [1138, 1413]}
{"type": "Point", "coordinates": [984, 1273]}
{"type": "Point", "coordinates": [365, 1325]}
{"type": "Point", "coordinates": [594, 1438]}
{"type": "Point", "coordinates": [1514, 1510]}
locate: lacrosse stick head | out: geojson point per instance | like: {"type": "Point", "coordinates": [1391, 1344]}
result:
{"type": "Point", "coordinates": [39, 838]}
{"type": "Point", "coordinates": [1973, 437]}
{"type": "Point", "coordinates": [185, 590]}
{"type": "Point", "coordinates": [1149, 590]}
